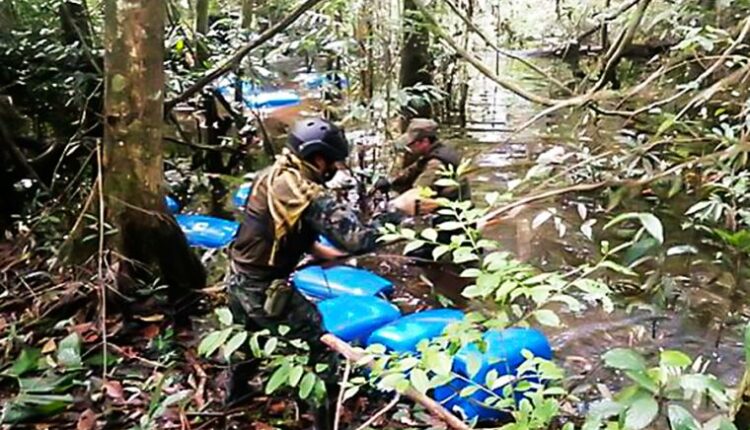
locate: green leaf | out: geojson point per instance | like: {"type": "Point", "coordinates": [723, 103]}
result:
{"type": "Point", "coordinates": [46, 384]}
{"type": "Point", "coordinates": [681, 419]}
{"type": "Point", "coordinates": [283, 330]}
{"type": "Point", "coordinates": [28, 406]}
{"type": "Point", "coordinates": [473, 365]}
{"type": "Point", "coordinates": [747, 346]}
{"type": "Point", "coordinates": [439, 362]}
{"type": "Point", "coordinates": [643, 379]}
{"type": "Point", "coordinates": [641, 412]}
{"type": "Point", "coordinates": [392, 380]}
{"type": "Point", "coordinates": [255, 346]}
{"type": "Point", "coordinates": [624, 359]}
{"type": "Point", "coordinates": [26, 361]}
{"type": "Point", "coordinates": [419, 380]}
{"type": "Point", "coordinates": [69, 351]}
{"type": "Point", "coordinates": [224, 315]}
{"type": "Point", "coordinates": [547, 317]}
{"type": "Point", "coordinates": [653, 226]}
{"type": "Point", "coordinates": [306, 386]}
{"type": "Point", "coordinates": [719, 423]}
{"type": "Point", "coordinates": [468, 391]}
{"type": "Point", "coordinates": [674, 358]}
{"type": "Point", "coordinates": [295, 375]}
{"type": "Point", "coordinates": [450, 226]}
{"type": "Point", "coordinates": [213, 341]}
{"type": "Point", "coordinates": [270, 346]}
{"type": "Point", "coordinates": [413, 246]}
{"type": "Point", "coordinates": [439, 251]}
{"type": "Point", "coordinates": [430, 234]}
{"type": "Point", "coordinates": [278, 378]}
{"type": "Point", "coordinates": [234, 344]}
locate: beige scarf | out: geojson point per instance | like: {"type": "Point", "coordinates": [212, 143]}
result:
{"type": "Point", "coordinates": [292, 185]}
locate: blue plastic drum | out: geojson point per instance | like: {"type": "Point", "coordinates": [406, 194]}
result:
{"type": "Point", "coordinates": [239, 198]}
{"type": "Point", "coordinates": [404, 334]}
{"type": "Point", "coordinates": [172, 204]}
{"type": "Point", "coordinates": [272, 99]}
{"type": "Point", "coordinates": [353, 318]}
{"type": "Point", "coordinates": [206, 231]}
{"type": "Point", "coordinates": [318, 283]}
{"type": "Point", "coordinates": [314, 81]}
{"type": "Point", "coordinates": [504, 356]}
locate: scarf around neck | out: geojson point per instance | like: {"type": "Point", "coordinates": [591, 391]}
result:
{"type": "Point", "coordinates": [292, 185]}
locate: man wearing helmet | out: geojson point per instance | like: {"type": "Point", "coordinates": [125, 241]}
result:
{"type": "Point", "coordinates": [285, 213]}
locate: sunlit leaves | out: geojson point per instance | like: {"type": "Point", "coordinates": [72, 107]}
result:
{"type": "Point", "coordinates": [624, 359]}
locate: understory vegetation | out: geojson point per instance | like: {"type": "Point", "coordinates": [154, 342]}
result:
{"type": "Point", "coordinates": [606, 141]}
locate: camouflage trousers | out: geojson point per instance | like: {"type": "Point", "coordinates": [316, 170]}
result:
{"type": "Point", "coordinates": [246, 301]}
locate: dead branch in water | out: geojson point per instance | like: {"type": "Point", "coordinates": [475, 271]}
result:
{"type": "Point", "coordinates": [435, 408]}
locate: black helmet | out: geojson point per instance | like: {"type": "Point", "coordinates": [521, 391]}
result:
{"type": "Point", "coordinates": [310, 136]}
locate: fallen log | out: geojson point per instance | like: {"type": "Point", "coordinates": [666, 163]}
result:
{"type": "Point", "coordinates": [433, 407]}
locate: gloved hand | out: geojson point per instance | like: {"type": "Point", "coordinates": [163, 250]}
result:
{"type": "Point", "coordinates": [382, 184]}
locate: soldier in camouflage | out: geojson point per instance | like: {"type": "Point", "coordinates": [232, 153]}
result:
{"type": "Point", "coordinates": [283, 216]}
{"type": "Point", "coordinates": [424, 156]}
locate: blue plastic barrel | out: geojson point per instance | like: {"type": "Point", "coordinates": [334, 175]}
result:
{"type": "Point", "coordinates": [404, 334]}
{"type": "Point", "coordinates": [314, 81]}
{"type": "Point", "coordinates": [353, 318]}
{"type": "Point", "coordinates": [316, 282]}
{"type": "Point", "coordinates": [206, 231]}
{"type": "Point", "coordinates": [172, 204]}
{"type": "Point", "coordinates": [272, 99]}
{"type": "Point", "coordinates": [239, 198]}
{"type": "Point", "coordinates": [503, 354]}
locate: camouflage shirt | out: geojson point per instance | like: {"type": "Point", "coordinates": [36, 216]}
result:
{"type": "Point", "coordinates": [424, 171]}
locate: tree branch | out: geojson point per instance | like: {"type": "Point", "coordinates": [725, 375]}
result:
{"type": "Point", "coordinates": [624, 41]}
{"type": "Point", "coordinates": [435, 408]}
{"type": "Point", "coordinates": [508, 85]}
{"type": "Point", "coordinates": [501, 51]}
{"type": "Point", "coordinates": [229, 64]}
{"type": "Point", "coordinates": [620, 10]}
{"type": "Point", "coordinates": [491, 217]}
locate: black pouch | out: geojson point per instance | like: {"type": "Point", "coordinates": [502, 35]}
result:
{"type": "Point", "coordinates": [277, 297]}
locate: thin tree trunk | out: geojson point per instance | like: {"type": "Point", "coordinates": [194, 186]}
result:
{"type": "Point", "coordinates": [605, 29]}
{"type": "Point", "coordinates": [132, 166]}
{"type": "Point", "coordinates": [248, 14]}
{"type": "Point", "coordinates": [464, 85]}
{"type": "Point", "coordinates": [201, 30]}
{"type": "Point", "coordinates": [415, 59]}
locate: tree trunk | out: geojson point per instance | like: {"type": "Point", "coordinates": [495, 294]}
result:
{"type": "Point", "coordinates": [464, 85]}
{"type": "Point", "coordinates": [363, 34]}
{"type": "Point", "coordinates": [8, 16]}
{"type": "Point", "coordinates": [201, 30]}
{"type": "Point", "coordinates": [415, 60]}
{"type": "Point", "coordinates": [132, 164]}
{"type": "Point", "coordinates": [248, 14]}
{"type": "Point", "coordinates": [605, 29]}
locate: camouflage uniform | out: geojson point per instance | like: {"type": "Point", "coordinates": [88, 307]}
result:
{"type": "Point", "coordinates": [423, 170]}
{"type": "Point", "coordinates": [261, 257]}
